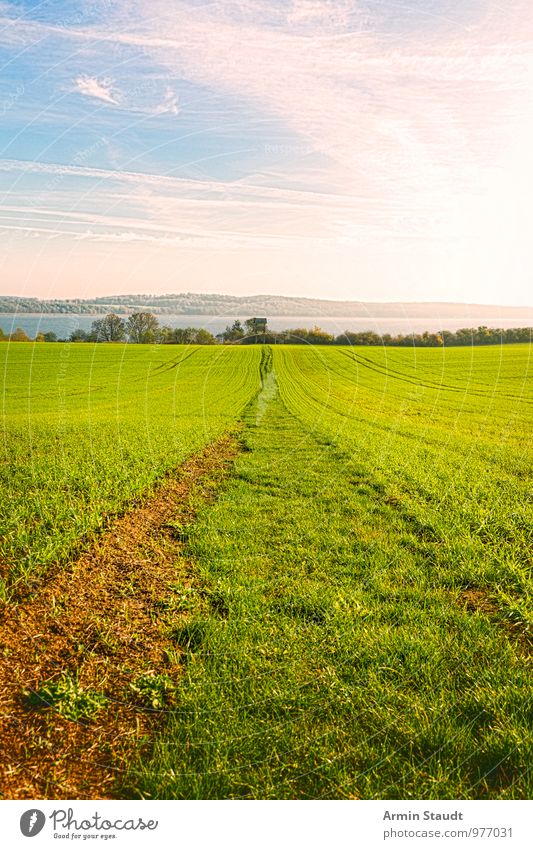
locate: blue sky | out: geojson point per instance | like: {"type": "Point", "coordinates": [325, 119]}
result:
{"type": "Point", "coordinates": [365, 150]}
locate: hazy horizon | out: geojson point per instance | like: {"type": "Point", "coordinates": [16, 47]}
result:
{"type": "Point", "coordinates": [169, 294]}
{"type": "Point", "coordinates": [347, 151]}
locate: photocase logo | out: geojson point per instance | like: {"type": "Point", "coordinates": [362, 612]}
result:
{"type": "Point", "coordinates": [32, 822]}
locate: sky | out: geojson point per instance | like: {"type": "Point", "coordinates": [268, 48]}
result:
{"type": "Point", "coordinates": [358, 150]}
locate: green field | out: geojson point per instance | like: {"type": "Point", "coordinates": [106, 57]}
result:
{"type": "Point", "coordinates": [358, 623]}
{"type": "Point", "coordinates": [87, 428]}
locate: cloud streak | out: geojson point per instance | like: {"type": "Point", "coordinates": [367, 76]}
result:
{"type": "Point", "coordinates": [99, 89]}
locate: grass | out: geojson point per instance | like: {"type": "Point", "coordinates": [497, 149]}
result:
{"type": "Point", "coordinates": [345, 663]}
{"type": "Point", "coordinates": [153, 690]}
{"type": "Point", "coordinates": [444, 437]}
{"type": "Point", "coordinates": [68, 698]}
{"type": "Point", "coordinates": [88, 429]}
{"type": "Point", "coordinates": [356, 621]}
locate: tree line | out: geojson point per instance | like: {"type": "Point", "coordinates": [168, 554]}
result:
{"type": "Point", "coordinates": [144, 328]}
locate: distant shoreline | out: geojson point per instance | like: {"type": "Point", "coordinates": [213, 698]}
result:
{"type": "Point", "coordinates": [145, 328]}
{"type": "Point", "coordinates": [271, 306]}
{"type": "Point", "coordinates": [63, 324]}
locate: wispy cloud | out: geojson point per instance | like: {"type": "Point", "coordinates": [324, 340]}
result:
{"type": "Point", "coordinates": [99, 89]}
{"type": "Point", "coordinates": [178, 185]}
{"type": "Point", "coordinates": [332, 13]}
{"type": "Point", "coordinates": [159, 207]}
{"type": "Point", "coordinates": [169, 104]}
{"type": "Point", "coordinates": [143, 102]}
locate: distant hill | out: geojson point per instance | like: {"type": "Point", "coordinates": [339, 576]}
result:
{"type": "Point", "coordinates": [190, 303]}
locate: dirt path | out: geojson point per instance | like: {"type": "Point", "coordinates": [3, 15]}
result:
{"type": "Point", "coordinates": [97, 628]}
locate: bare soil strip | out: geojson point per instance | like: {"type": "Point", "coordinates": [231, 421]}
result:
{"type": "Point", "coordinates": [102, 622]}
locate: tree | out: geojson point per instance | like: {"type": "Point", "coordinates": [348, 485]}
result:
{"type": "Point", "coordinates": [255, 326]}
{"type": "Point", "coordinates": [19, 336]}
{"type": "Point", "coordinates": [182, 335]}
{"type": "Point", "coordinates": [204, 337]}
{"type": "Point", "coordinates": [49, 336]}
{"type": "Point", "coordinates": [142, 327]}
{"type": "Point", "coordinates": [233, 333]}
{"type": "Point", "coordinates": [317, 336]}
{"type": "Point", "coordinates": [79, 335]}
{"type": "Point", "coordinates": [297, 335]}
{"type": "Point", "coordinates": [109, 329]}
{"type": "Point", "coordinates": [164, 335]}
